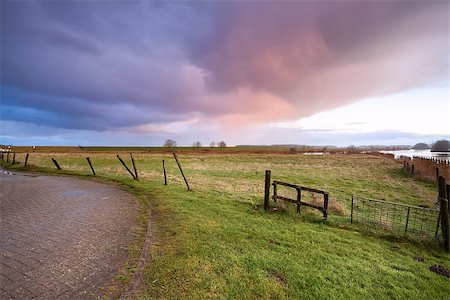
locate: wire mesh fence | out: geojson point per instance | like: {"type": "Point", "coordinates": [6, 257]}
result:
{"type": "Point", "coordinates": [401, 219]}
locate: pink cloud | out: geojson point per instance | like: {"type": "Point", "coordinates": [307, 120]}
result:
{"type": "Point", "coordinates": [145, 65]}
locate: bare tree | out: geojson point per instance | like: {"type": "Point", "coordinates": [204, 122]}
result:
{"type": "Point", "coordinates": [196, 144]}
{"type": "Point", "coordinates": [212, 144]}
{"type": "Point", "coordinates": [221, 144]}
{"type": "Point", "coordinates": [169, 143]}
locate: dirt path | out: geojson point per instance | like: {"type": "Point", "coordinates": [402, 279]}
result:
{"type": "Point", "coordinates": [61, 238]}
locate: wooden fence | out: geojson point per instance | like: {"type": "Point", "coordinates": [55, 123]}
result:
{"type": "Point", "coordinates": [427, 168]}
{"type": "Point", "coordinates": [10, 158]}
{"type": "Point", "coordinates": [298, 201]}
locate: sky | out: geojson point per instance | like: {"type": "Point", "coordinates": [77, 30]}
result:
{"type": "Point", "coordinates": [246, 72]}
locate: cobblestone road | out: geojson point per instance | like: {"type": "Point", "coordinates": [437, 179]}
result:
{"type": "Point", "coordinates": [61, 238]}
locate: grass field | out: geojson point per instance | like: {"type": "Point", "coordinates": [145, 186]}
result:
{"type": "Point", "coordinates": [216, 241]}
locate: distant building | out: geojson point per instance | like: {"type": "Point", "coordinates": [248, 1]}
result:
{"type": "Point", "coordinates": [4, 150]}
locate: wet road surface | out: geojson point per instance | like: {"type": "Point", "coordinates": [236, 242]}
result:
{"type": "Point", "coordinates": [61, 237]}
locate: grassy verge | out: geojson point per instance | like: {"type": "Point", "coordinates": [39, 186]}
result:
{"type": "Point", "coordinates": [217, 242]}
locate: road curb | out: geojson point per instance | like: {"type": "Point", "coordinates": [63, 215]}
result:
{"type": "Point", "coordinates": [137, 276]}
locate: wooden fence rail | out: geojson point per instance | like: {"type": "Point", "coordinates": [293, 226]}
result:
{"type": "Point", "coordinates": [298, 200]}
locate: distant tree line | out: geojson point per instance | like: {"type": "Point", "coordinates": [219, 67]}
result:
{"type": "Point", "coordinates": [169, 143]}
{"type": "Point", "coordinates": [441, 146]}
{"type": "Point", "coordinates": [421, 146]}
{"type": "Point", "coordinates": [438, 146]}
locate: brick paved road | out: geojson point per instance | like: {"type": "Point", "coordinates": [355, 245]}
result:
{"type": "Point", "coordinates": [61, 238]}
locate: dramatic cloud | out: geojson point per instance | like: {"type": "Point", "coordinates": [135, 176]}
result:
{"type": "Point", "coordinates": [320, 55]}
{"type": "Point", "coordinates": [144, 66]}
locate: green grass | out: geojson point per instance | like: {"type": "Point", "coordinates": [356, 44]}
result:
{"type": "Point", "coordinates": [217, 242]}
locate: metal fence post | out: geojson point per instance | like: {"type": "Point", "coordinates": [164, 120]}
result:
{"type": "Point", "coordinates": [407, 219]}
{"type": "Point", "coordinates": [90, 165]}
{"type": "Point", "coordinates": [437, 225]}
{"type": "Point", "coordinates": [123, 163]}
{"type": "Point", "coordinates": [181, 170]}
{"type": "Point", "coordinates": [351, 213]}
{"type": "Point", "coordinates": [165, 176]}
{"type": "Point", "coordinates": [56, 164]}
{"type": "Point", "coordinates": [134, 167]}
{"type": "Point", "coordinates": [26, 160]}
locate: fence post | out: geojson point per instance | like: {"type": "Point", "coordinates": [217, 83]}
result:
{"type": "Point", "coordinates": [26, 159]}
{"type": "Point", "coordinates": [267, 190]}
{"type": "Point", "coordinates": [325, 206]}
{"type": "Point", "coordinates": [90, 165]}
{"type": "Point", "coordinates": [165, 176]}
{"type": "Point", "coordinates": [123, 163]}
{"type": "Point", "coordinates": [351, 213]}
{"type": "Point", "coordinates": [274, 197]}
{"type": "Point", "coordinates": [407, 219]}
{"type": "Point", "coordinates": [444, 213]}
{"type": "Point", "coordinates": [412, 169]}
{"type": "Point", "coordinates": [437, 174]}
{"type": "Point", "coordinates": [448, 199]}
{"type": "Point", "coordinates": [56, 164]}
{"type": "Point", "coordinates": [14, 158]}
{"type": "Point", "coordinates": [134, 167]}
{"type": "Point", "coordinates": [437, 225]}
{"type": "Point", "coordinates": [299, 199]}
{"type": "Point", "coordinates": [181, 170]}
{"type": "Point", "coordinates": [7, 157]}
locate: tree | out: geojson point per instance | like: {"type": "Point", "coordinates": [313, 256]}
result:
{"type": "Point", "coordinates": [221, 144]}
{"type": "Point", "coordinates": [212, 144]}
{"type": "Point", "coordinates": [196, 144]}
{"type": "Point", "coordinates": [169, 143]}
{"type": "Point", "coordinates": [421, 146]}
{"type": "Point", "coordinates": [441, 145]}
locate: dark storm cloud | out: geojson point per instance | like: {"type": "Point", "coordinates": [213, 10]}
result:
{"type": "Point", "coordinates": [98, 53]}
{"type": "Point", "coordinates": [114, 64]}
{"type": "Point", "coordinates": [73, 113]}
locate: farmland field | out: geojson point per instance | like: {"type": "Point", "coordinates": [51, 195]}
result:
{"type": "Point", "coordinates": [217, 241]}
